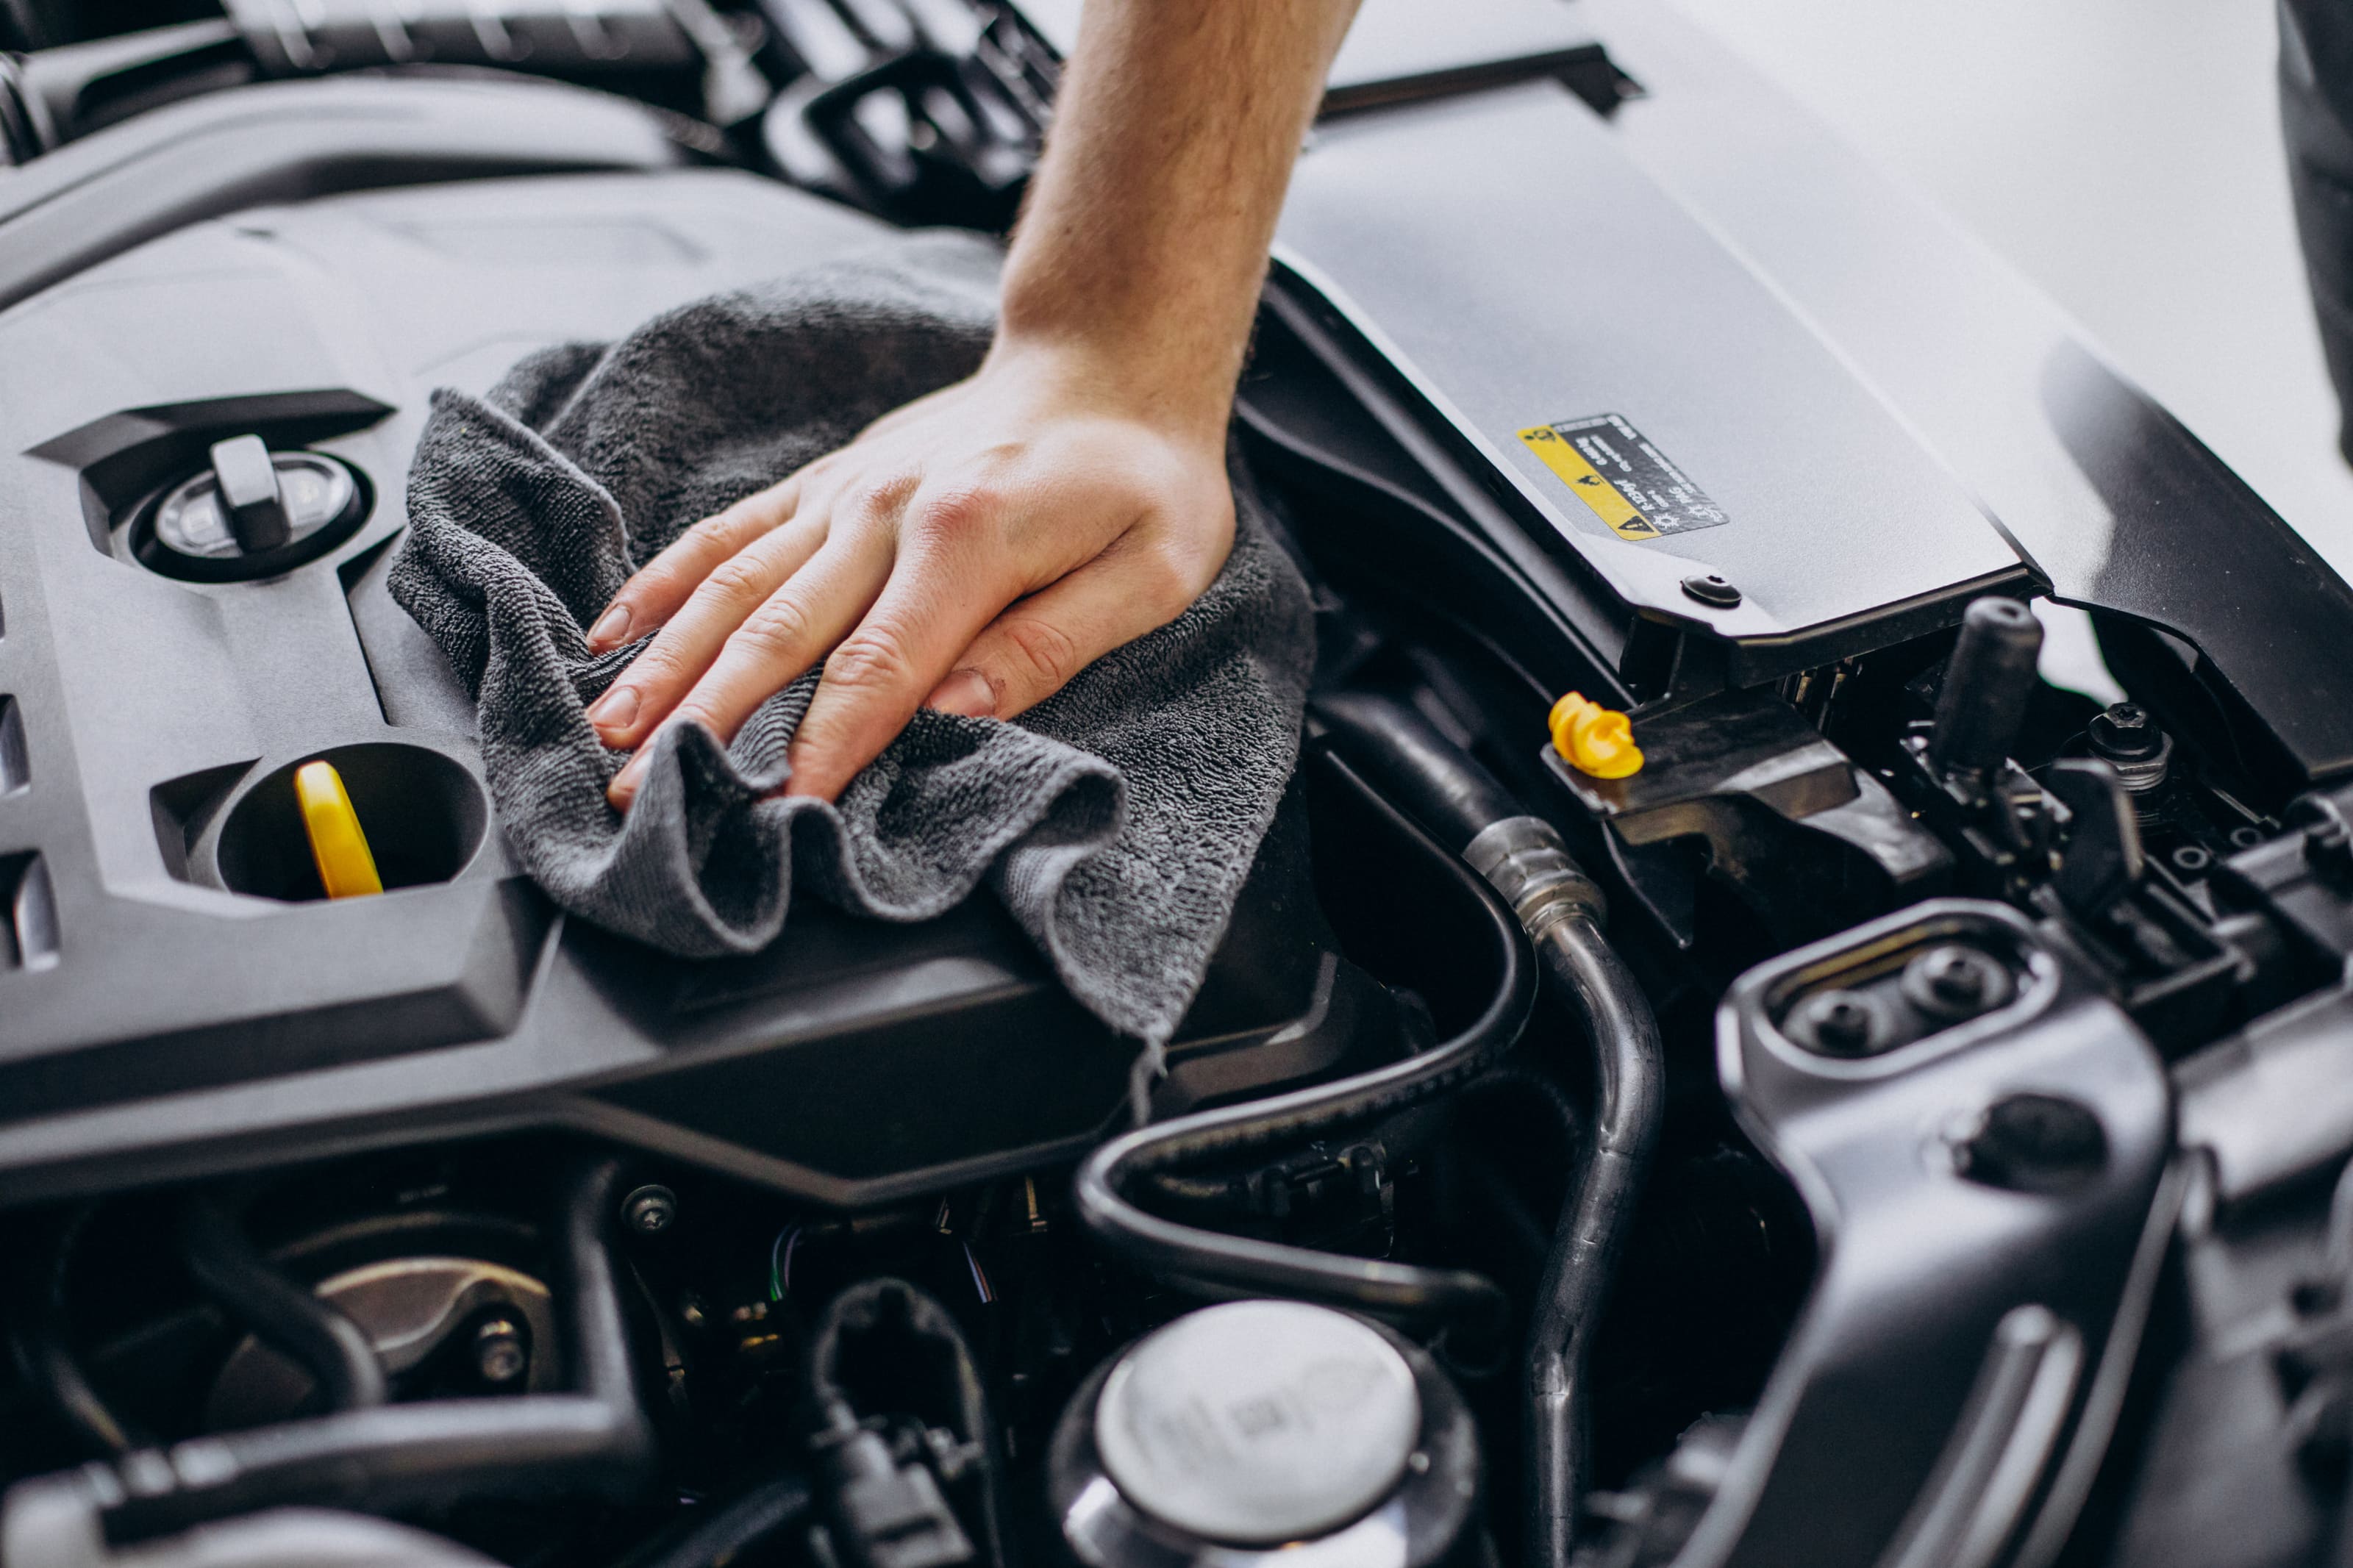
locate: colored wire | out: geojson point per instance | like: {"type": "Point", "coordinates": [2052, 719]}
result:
{"type": "Point", "coordinates": [780, 1261]}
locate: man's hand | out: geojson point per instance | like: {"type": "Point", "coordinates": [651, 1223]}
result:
{"type": "Point", "coordinates": [974, 550]}
{"type": "Point", "coordinates": [969, 553]}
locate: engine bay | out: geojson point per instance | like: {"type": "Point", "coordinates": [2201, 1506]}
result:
{"type": "Point", "coordinates": [1896, 1121]}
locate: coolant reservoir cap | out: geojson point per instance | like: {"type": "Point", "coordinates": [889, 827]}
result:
{"type": "Point", "coordinates": [1258, 1422]}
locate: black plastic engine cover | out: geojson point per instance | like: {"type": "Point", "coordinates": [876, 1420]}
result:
{"type": "Point", "coordinates": [174, 996]}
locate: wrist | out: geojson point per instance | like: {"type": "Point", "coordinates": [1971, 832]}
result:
{"type": "Point", "coordinates": [1184, 390]}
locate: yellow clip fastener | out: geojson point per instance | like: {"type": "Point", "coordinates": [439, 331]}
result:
{"type": "Point", "coordinates": [346, 866]}
{"type": "Point", "coordinates": [1593, 739]}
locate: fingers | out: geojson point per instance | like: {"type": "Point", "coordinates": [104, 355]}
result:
{"type": "Point", "coordinates": [1033, 649]}
{"type": "Point", "coordinates": [654, 593]}
{"type": "Point", "coordinates": [786, 636]}
{"type": "Point", "coordinates": [950, 580]}
{"type": "Point", "coordinates": [730, 593]}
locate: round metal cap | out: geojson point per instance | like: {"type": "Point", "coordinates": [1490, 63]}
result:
{"type": "Point", "coordinates": [316, 491]}
{"type": "Point", "coordinates": [1258, 1422]}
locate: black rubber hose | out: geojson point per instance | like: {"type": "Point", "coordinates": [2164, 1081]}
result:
{"type": "Point", "coordinates": [37, 1336]}
{"type": "Point", "coordinates": [1629, 1099]}
{"type": "Point", "coordinates": [1216, 1264]}
{"type": "Point", "coordinates": [225, 1265]}
{"type": "Point", "coordinates": [1404, 756]}
{"type": "Point", "coordinates": [592, 1441]}
{"type": "Point", "coordinates": [1559, 907]}
{"type": "Point", "coordinates": [734, 1531]}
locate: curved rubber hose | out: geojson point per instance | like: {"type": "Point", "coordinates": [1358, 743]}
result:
{"type": "Point", "coordinates": [1219, 1264]}
{"type": "Point", "coordinates": [1560, 908]}
{"type": "Point", "coordinates": [285, 1316]}
{"type": "Point", "coordinates": [734, 1531]}
{"type": "Point", "coordinates": [37, 1336]}
{"type": "Point", "coordinates": [593, 1441]}
{"type": "Point", "coordinates": [1630, 1101]}
{"type": "Point", "coordinates": [1403, 755]}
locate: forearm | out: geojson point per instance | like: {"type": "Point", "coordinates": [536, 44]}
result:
{"type": "Point", "coordinates": [1146, 235]}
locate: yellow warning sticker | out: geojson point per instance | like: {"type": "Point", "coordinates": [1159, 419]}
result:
{"type": "Point", "coordinates": [1626, 480]}
{"type": "Point", "coordinates": [1625, 519]}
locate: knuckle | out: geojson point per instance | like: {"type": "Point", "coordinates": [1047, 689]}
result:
{"type": "Point", "coordinates": [871, 657]}
{"type": "Point", "coordinates": [658, 667]}
{"type": "Point", "coordinates": [877, 496]}
{"type": "Point", "coordinates": [1165, 583]}
{"type": "Point", "coordinates": [775, 633]}
{"type": "Point", "coordinates": [736, 579]}
{"type": "Point", "coordinates": [957, 513]}
{"type": "Point", "coordinates": [1046, 652]}
{"type": "Point", "coordinates": [717, 529]}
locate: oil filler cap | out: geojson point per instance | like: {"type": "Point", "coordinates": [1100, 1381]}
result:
{"type": "Point", "coordinates": [1258, 1422]}
{"type": "Point", "coordinates": [253, 513]}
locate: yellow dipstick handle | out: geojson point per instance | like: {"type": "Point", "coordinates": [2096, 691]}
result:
{"type": "Point", "coordinates": [346, 867]}
{"type": "Point", "coordinates": [1593, 739]}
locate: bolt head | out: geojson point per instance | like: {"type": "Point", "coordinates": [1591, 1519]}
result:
{"type": "Point", "coordinates": [649, 1209]}
{"type": "Point", "coordinates": [1712, 590]}
{"type": "Point", "coordinates": [1838, 1023]}
{"type": "Point", "coordinates": [1953, 981]}
{"type": "Point", "coordinates": [2125, 731]}
{"type": "Point", "coordinates": [501, 1357]}
{"type": "Point", "coordinates": [2034, 1142]}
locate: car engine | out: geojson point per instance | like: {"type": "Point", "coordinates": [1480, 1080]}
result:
{"type": "Point", "coordinates": [1798, 1011]}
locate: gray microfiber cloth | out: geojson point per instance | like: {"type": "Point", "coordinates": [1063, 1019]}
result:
{"type": "Point", "coordinates": [1116, 821]}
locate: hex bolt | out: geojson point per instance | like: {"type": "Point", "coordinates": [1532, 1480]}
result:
{"type": "Point", "coordinates": [1715, 592]}
{"type": "Point", "coordinates": [1953, 981]}
{"type": "Point", "coordinates": [1837, 1023]}
{"type": "Point", "coordinates": [500, 1354]}
{"type": "Point", "coordinates": [2125, 736]}
{"type": "Point", "coordinates": [2034, 1142]}
{"type": "Point", "coordinates": [648, 1210]}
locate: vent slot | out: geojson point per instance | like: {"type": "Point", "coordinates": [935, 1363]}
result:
{"type": "Point", "coordinates": [15, 770]}
{"type": "Point", "coordinates": [29, 939]}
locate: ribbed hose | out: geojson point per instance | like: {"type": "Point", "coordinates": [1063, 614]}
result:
{"type": "Point", "coordinates": [1595, 1218]}
{"type": "Point", "coordinates": [1560, 908]}
{"type": "Point", "coordinates": [283, 1315]}
{"type": "Point", "coordinates": [1221, 1265]}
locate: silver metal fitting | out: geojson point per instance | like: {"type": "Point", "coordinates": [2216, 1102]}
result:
{"type": "Point", "coordinates": [1524, 859]}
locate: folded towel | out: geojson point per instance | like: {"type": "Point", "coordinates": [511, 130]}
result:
{"type": "Point", "coordinates": [1116, 821]}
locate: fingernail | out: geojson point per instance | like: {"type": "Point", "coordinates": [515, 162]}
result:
{"type": "Point", "coordinates": [624, 782]}
{"type": "Point", "coordinates": [615, 709]}
{"type": "Point", "coordinates": [612, 627]}
{"type": "Point", "coordinates": [966, 693]}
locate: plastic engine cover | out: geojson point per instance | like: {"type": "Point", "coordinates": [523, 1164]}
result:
{"type": "Point", "coordinates": [175, 997]}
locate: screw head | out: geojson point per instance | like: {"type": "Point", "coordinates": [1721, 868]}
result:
{"type": "Point", "coordinates": [648, 1210]}
{"type": "Point", "coordinates": [500, 1354]}
{"type": "Point", "coordinates": [1838, 1023]}
{"type": "Point", "coordinates": [2033, 1142]}
{"type": "Point", "coordinates": [1715, 592]}
{"type": "Point", "coordinates": [1952, 981]}
{"type": "Point", "coordinates": [2125, 731]}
